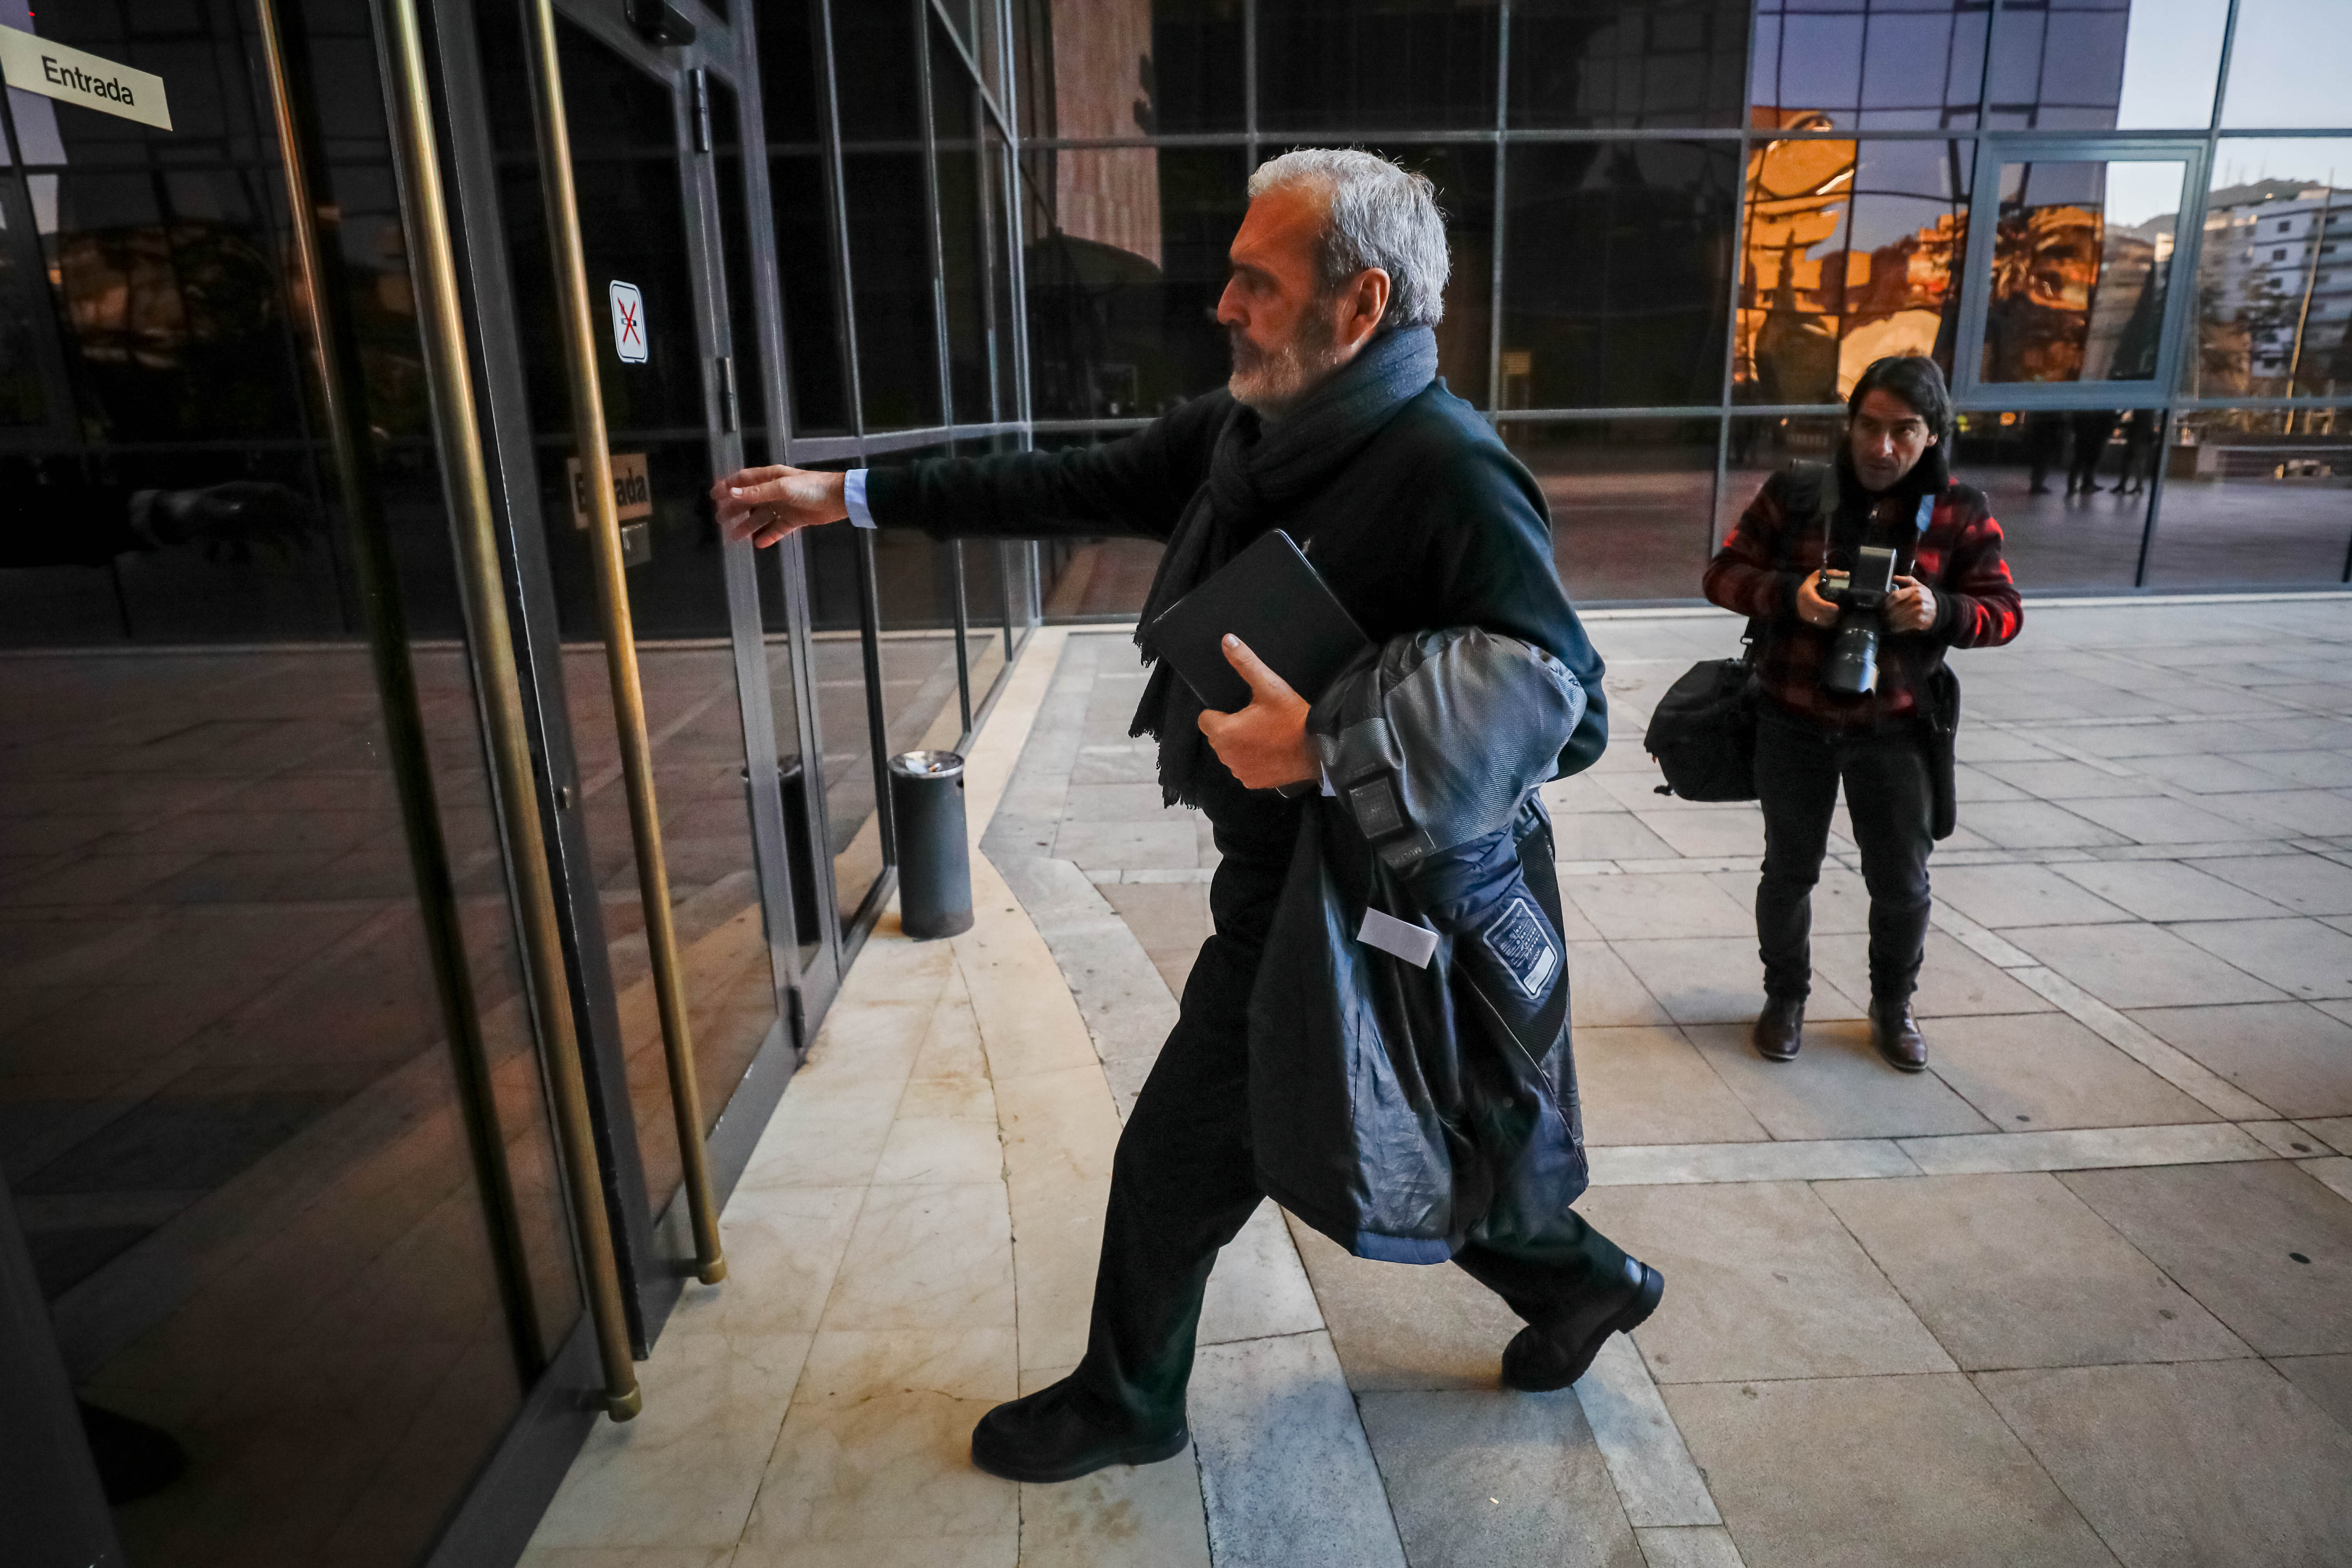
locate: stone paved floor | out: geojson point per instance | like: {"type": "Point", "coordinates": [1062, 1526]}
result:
{"type": "Point", "coordinates": [2077, 1295]}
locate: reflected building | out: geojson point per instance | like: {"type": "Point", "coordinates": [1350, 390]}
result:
{"type": "Point", "coordinates": [1817, 303]}
{"type": "Point", "coordinates": [2275, 291]}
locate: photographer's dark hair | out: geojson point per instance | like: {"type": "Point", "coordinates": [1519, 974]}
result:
{"type": "Point", "coordinates": [1917, 380]}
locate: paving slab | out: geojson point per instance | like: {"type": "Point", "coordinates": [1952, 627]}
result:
{"type": "Point", "coordinates": [2225, 1463]}
{"type": "Point", "coordinates": [2015, 1270]}
{"type": "Point", "coordinates": [2164, 891]}
{"type": "Point", "coordinates": [2017, 895]}
{"type": "Point", "coordinates": [2306, 883]}
{"type": "Point", "coordinates": [2325, 1380]}
{"type": "Point", "coordinates": [1396, 1326]}
{"type": "Point", "coordinates": [2046, 1070]}
{"type": "Point", "coordinates": [2302, 957]}
{"type": "Point", "coordinates": [1478, 1478]}
{"type": "Point", "coordinates": [2261, 1244]}
{"type": "Point", "coordinates": [2139, 966]}
{"type": "Point", "coordinates": [1650, 1085]}
{"type": "Point", "coordinates": [1761, 1281]}
{"type": "Point", "coordinates": [1287, 1476]}
{"type": "Point", "coordinates": [1838, 1086]}
{"type": "Point", "coordinates": [2293, 1057]}
{"type": "Point", "coordinates": [1878, 1472]}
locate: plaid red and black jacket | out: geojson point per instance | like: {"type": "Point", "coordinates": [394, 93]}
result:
{"type": "Point", "coordinates": [1785, 536]}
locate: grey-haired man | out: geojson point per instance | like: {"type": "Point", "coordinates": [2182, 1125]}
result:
{"type": "Point", "coordinates": [1334, 428]}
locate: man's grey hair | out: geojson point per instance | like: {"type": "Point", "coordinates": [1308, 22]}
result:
{"type": "Point", "coordinates": [1376, 214]}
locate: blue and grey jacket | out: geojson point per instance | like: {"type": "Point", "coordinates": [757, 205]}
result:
{"type": "Point", "coordinates": [1410, 1083]}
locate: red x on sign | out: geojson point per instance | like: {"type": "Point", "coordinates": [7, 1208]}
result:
{"type": "Point", "coordinates": [628, 322]}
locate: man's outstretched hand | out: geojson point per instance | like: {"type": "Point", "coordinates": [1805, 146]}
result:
{"type": "Point", "coordinates": [763, 505]}
{"type": "Point", "coordinates": [1264, 745]}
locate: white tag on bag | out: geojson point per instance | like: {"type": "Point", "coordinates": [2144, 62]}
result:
{"type": "Point", "coordinates": [1416, 944]}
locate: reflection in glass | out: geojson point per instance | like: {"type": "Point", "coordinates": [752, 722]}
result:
{"type": "Point", "coordinates": [633, 226]}
{"type": "Point", "coordinates": [231, 1120]}
{"type": "Point", "coordinates": [891, 294]}
{"type": "Point", "coordinates": [1464, 174]}
{"type": "Point", "coordinates": [1892, 65]}
{"type": "Point", "coordinates": [2256, 496]}
{"type": "Point", "coordinates": [1126, 259]}
{"type": "Point", "coordinates": [1326, 65]}
{"type": "Point", "coordinates": [1850, 249]}
{"type": "Point", "coordinates": [2289, 60]}
{"type": "Point", "coordinates": [2085, 532]}
{"type": "Point", "coordinates": [844, 738]}
{"type": "Point", "coordinates": [2274, 274]}
{"type": "Point", "coordinates": [1128, 68]}
{"type": "Point", "coordinates": [791, 97]}
{"type": "Point", "coordinates": [973, 345]}
{"type": "Point", "coordinates": [1614, 276]}
{"type": "Point", "coordinates": [1760, 444]}
{"type": "Point", "coordinates": [2079, 269]}
{"type": "Point", "coordinates": [1622, 63]}
{"type": "Point", "coordinates": [1629, 500]}
{"type": "Point", "coordinates": [2104, 65]}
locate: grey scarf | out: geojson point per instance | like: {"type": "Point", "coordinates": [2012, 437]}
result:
{"type": "Point", "coordinates": [1257, 472]}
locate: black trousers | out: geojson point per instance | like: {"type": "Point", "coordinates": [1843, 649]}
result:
{"type": "Point", "coordinates": [1889, 794]}
{"type": "Point", "coordinates": [1182, 1182]}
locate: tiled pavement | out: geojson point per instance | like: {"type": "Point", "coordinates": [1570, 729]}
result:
{"type": "Point", "coordinates": [2077, 1295]}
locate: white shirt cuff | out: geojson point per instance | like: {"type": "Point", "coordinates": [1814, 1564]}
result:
{"type": "Point", "coordinates": [853, 495]}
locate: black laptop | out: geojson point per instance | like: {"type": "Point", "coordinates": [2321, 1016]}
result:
{"type": "Point", "coordinates": [1271, 597]}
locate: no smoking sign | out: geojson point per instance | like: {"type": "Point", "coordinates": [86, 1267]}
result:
{"type": "Point", "coordinates": [628, 322]}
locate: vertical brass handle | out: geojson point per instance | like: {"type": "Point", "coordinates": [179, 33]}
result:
{"type": "Point", "coordinates": [576, 322]}
{"type": "Point", "coordinates": [410, 761]}
{"type": "Point", "coordinates": [457, 431]}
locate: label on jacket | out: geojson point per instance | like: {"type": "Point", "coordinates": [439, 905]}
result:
{"type": "Point", "coordinates": [1521, 940]}
{"type": "Point", "coordinates": [1416, 944]}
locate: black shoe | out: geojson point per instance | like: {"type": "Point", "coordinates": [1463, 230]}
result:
{"type": "Point", "coordinates": [1046, 1437]}
{"type": "Point", "coordinates": [1538, 1361]}
{"type": "Point", "coordinates": [1779, 1028]}
{"type": "Point", "coordinates": [1896, 1035]}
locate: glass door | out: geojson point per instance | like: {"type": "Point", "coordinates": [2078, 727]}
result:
{"type": "Point", "coordinates": [654, 228]}
{"type": "Point", "coordinates": [2070, 300]}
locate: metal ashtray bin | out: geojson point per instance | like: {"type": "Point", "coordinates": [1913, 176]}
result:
{"type": "Point", "coordinates": [934, 860]}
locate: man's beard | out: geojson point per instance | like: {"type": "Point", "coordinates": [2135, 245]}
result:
{"type": "Point", "coordinates": [1272, 381]}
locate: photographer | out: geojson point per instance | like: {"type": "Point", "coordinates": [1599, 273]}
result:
{"type": "Point", "coordinates": [1949, 588]}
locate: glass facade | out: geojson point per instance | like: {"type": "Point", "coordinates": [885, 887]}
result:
{"type": "Point", "coordinates": [340, 722]}
{"type": "Point", "coordinates": [1691, 224]}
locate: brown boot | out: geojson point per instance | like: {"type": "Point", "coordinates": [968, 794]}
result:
{"type": "Point", "coordinates": [1779, 1028]}
{"type": "Point", "coordinates": [1896, 1035]}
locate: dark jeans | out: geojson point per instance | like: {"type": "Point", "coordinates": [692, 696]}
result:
{"type": "Point", "coordinates": [1890, 797]}
{"type": "Point", "coordinates": [1182, 1184]}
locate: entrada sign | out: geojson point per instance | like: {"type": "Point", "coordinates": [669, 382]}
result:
{"type": "Point", "coordinates": [74, 75]}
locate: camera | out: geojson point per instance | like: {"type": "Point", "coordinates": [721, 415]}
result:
{"type": "Point", "coordinates": [1860, 596]}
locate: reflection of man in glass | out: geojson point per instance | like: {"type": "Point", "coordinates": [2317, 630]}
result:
{"type": "Point", "coordinates": [1334, 428]}
{"type": "Point", "coordinates": [75, 524]}
{"type": "Point", "coordinates": [1890, 746]}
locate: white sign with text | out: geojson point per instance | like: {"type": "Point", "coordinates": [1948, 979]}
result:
{"type": "Point", "coordinates": [73, 76]}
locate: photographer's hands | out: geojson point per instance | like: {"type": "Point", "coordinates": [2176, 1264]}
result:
{"type": "Point", "coordinates": [1264, 745]}
{"type": "Point", "coordinates": [1911, 607]}
{"type": "Point", "coordinates": [1811, 608]}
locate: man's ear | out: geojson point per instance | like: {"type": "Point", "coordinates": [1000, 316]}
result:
{"type": "Point", "coordinates": [1367, 305]}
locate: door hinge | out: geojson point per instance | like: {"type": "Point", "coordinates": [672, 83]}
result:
{"type": "Point", "coordinates": [731, 408]}
{"type": "Point", "coordinates": [702, 109]}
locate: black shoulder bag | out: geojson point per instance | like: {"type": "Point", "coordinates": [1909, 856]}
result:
{"type": "Point", "coordinates": [1702, 731]}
